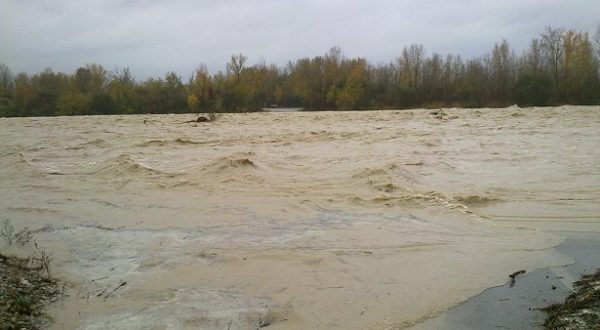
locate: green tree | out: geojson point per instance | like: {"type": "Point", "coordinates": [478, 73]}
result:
{"type": "Point", "coordinates": [533, 89]}
{"type": "Point", "coordinates": [91, 79]}
{"type": "Point", "coordinates": [103, 104]}
{"type": "Point", "coordinates": [74, 103]}
{"type": "Point", "coordinates": [579, 69]}
{"type": "Point", "coordinates": [561, 66]}
{"type": "Point", "coordinates": [201, 88]}
{"type": "Point", "coordinates": [174, 98]}
{"type": "Point", "coordinates": [352, 89]}
{"type": "Point", "coordinates": [121, 89]}
{"type": "Point", "coordinates": [192, 103]}
{"type": "Point", "coordinates": [474, 86]}
{"type": "Point", "coordinates": [48, 86]}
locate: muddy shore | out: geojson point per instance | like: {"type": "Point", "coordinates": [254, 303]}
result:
{"type": "Point", "coordinates": [521, 306]}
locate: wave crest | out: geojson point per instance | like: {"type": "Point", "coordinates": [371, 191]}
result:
{"type": "Point", "coordinates": [476, 199]}
{"type": "Point", "coordinates": [123, 165]}
{"type": "Point", "coordinates": [16, 164]}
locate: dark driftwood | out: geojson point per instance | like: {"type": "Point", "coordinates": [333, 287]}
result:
{"type": "Point", "coordinates": [514, 275]}
{"type": "Point", "coordinates": [203, 119]}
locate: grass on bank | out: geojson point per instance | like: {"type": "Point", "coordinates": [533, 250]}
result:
{"type": "Point", "coordinates": [581, 309]}
{"type": "Point", "coordinates": [26, 284]}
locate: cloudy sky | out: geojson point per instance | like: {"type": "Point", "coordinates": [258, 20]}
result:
{"type": "Point", "coordinates": [152, 37]}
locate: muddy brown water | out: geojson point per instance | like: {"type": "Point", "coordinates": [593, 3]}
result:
{"type": "Point", "coordinates": [301, 220]}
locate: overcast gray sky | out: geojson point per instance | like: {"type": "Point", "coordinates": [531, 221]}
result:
{"type": "Point", "coordinates": [152, 37]}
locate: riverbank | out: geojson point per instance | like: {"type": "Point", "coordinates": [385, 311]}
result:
{"type": "Point", "coordinates": [581, 309]}
{"type": "Point", "coordinates": [24, 294]}
{"type": "Point", "coordinates": [521, 306]}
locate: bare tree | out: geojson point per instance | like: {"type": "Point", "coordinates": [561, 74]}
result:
{"type": "Point", "coordinates": [552, 43]}
{"type": "Point", "coordinates": [597, 40]}
{"type": "Point", "coordinates": [200, 80]}
{"type": "Point", "coordinates": [334, 55]}
{"type": "Point", "coordinates": [534, 56]}
{"type": "Point", "coordinates": [7, 80]}
{"type": "Point", "coordinates": [123, 76]}
{"type": "Point", "coordinates": [236, 65]}
{"type": "Point", "coordinates": [501, 65]}
{"type": "Point", "coordinates": [411, 63]}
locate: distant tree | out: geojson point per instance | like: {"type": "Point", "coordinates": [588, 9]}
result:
{"type": "Point", "coordinates": [241, 86]}
{"type": "Point", "coordinates": [103, 104]}
{"type": "Point", "coordinates": [83, 80]}
{"type": "Point", "coordinates": [174, 98]}
{"type": "Point", "coordinates": [453, 76]}
{"type": "Point", "coordinates": [501, 73]}
{"type": "Point", "coordinates": [201, 87]}
{"type": "Point", "coordinates": [432, 85]}
{"type": "Point", "coordinates": [352, 89]}
{"type": "Point", "coordinates": [91, 79]}
{"type": "Point", "coordinates": [74, 103]}
{"type": "Point", "coordinates": [7, 81]}
{"type": "Point", "coordinates": [192, 103]}
{"type": "Point", "coordinates": [381, 87]}
{"type": "Point", "coordinates": [597, 45]}
{"type": "Point", "coordinates": [331, 77]}
{"type": "Point", "coordinates": [410, 64]}
{"type": "Point", "coordinates": [533, 89]}
{"type": "Point", "coordinates": [121, 89]}
{"type": "Point", "coordinates": [597, 40]}
{"type": "Point", "coordinates": [150, 96]}
{"type": "Point", "coordinates": [409, 76]}
{"type": "Point", "coordinates": [306, 80]}
{"type": "Point", "coordinates": [95, 93]}
{"type": "Point", "coordinates": [278, 95]}
{"type": "Point", "coordinates": [123, 76]}
{"type": "Point", "coordinates": [534, 85]}
{"type": "Point", "coordinates": [561, 66]}
{"type": "Point", "coordinates": [579, 68]}
{"type": "Point", "coordinates": [474, 87]}
{"type": "Point", "coordinates": [533, 60]}
{"type": "Point", "coordinates": [248, 90]}
{"type": "Point", "coordinates": [24, 92]}
{"type": "Point", "coordinates": [48, 86]}
{"type": "Point", "coordinates": [236, 65]}
{"type": "Point", "coordinates": [552, 44]}
{"type": "Point", "coordinates": [7, 92]}
{"type": "Point", "coordinates": [274, 80]}
{"type": "Point", "coordinates": [99, 77]}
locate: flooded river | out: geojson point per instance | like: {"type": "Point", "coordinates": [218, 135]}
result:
{"type": "Point", "coordinates": [299, 220]}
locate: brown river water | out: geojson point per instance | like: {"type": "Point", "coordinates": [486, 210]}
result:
{"type": "Point", "coordinates": [301, 220]}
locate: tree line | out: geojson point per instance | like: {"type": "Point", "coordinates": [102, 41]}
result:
{"type": "Point", "coordinates": [559, 67]}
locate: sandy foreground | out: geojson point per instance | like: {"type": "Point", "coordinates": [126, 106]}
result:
{"type": "Point", "coordinates": [349, 220]}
